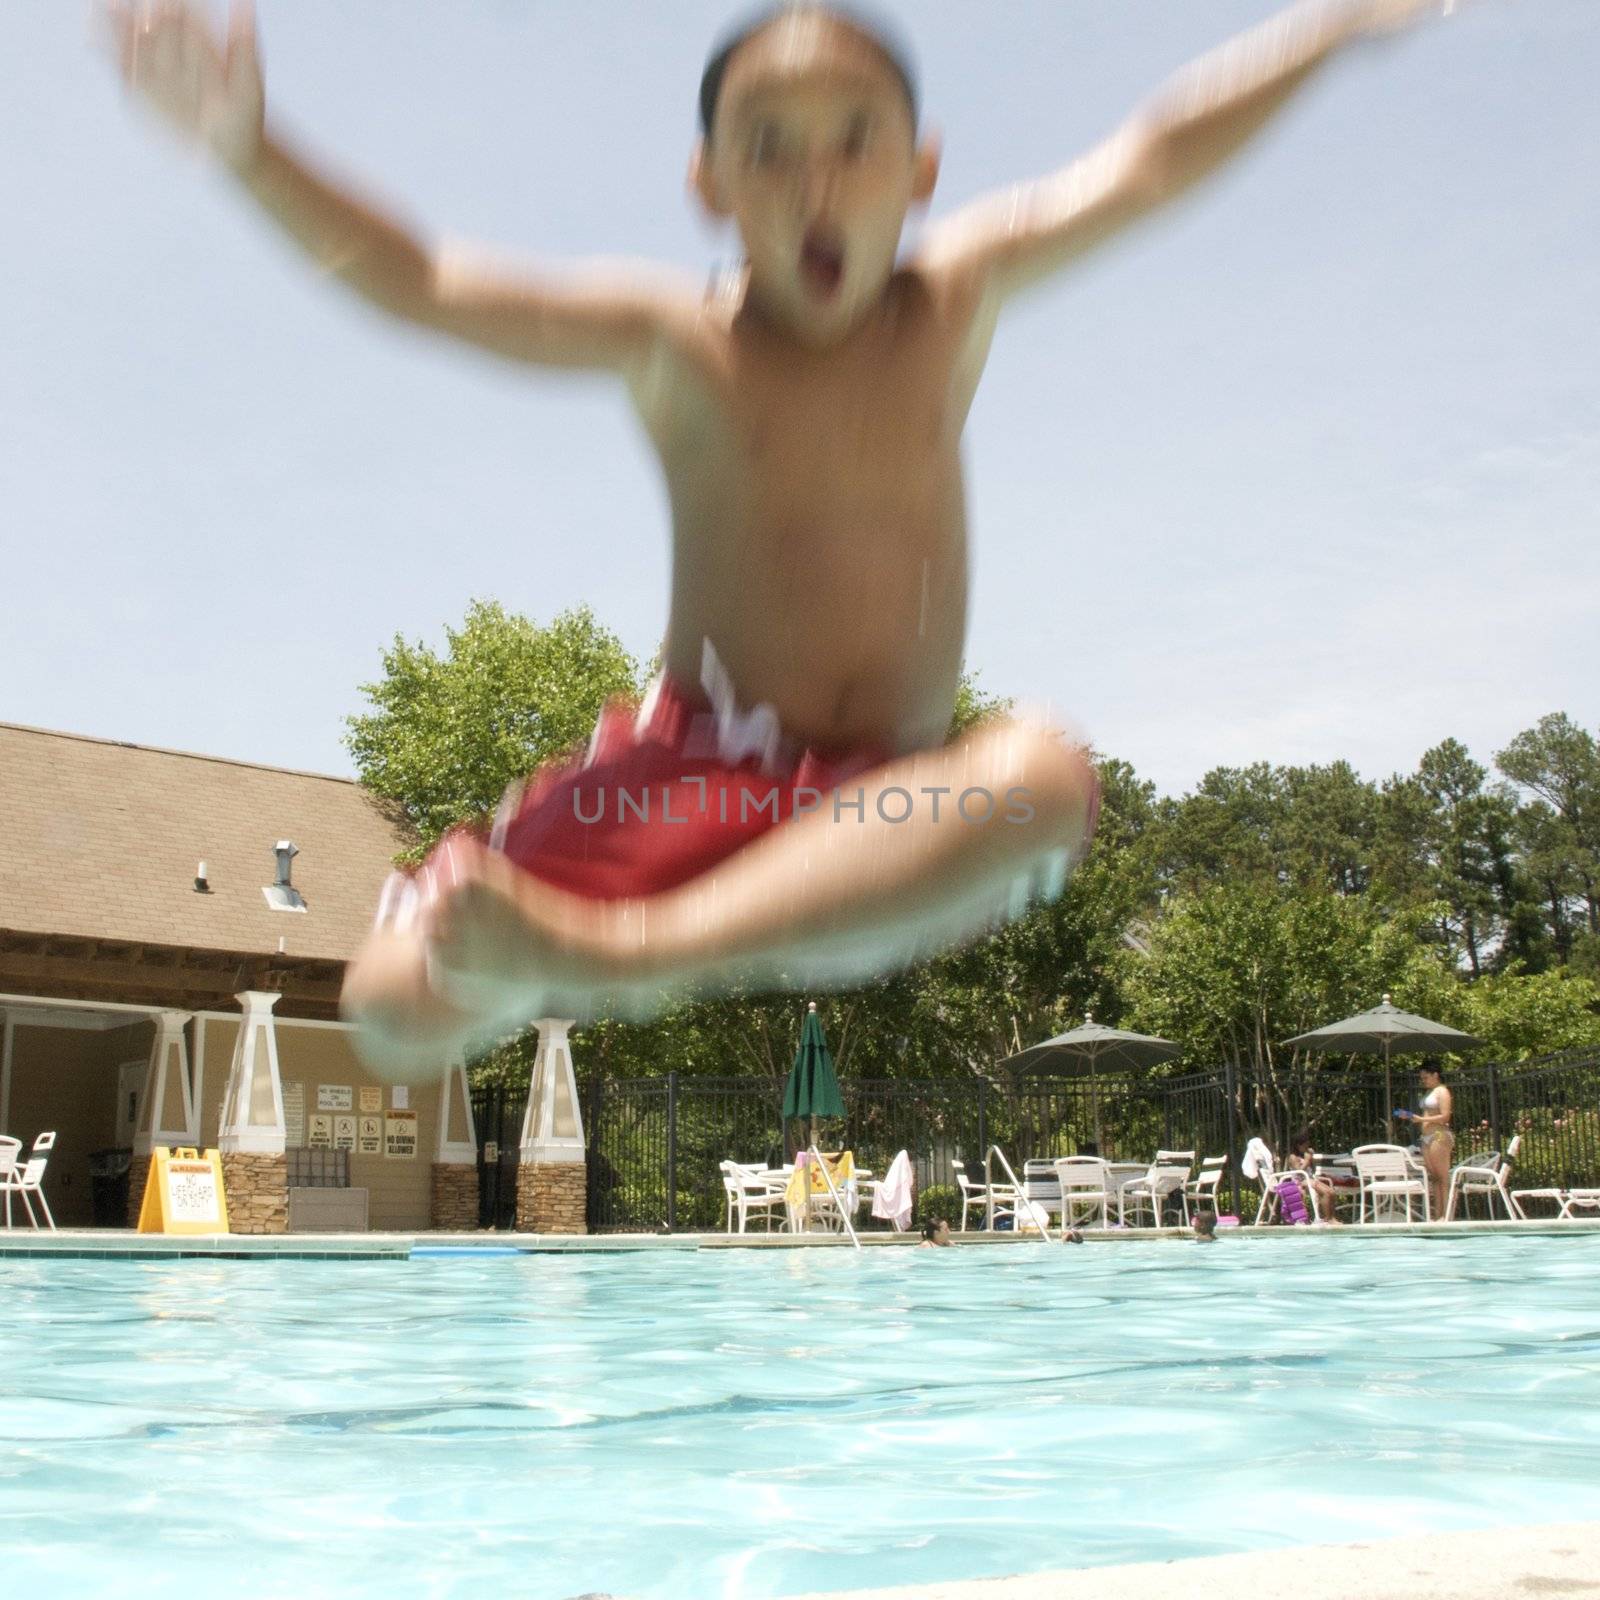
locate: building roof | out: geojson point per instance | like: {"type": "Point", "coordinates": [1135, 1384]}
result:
{"type": "Point", "coordinates": [101, 841]}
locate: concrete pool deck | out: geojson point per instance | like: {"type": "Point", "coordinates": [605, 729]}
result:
{"type": "Point", "coordinates": [121, 1243]}
{"type": "Point", "coordinates": [1552, 1562]}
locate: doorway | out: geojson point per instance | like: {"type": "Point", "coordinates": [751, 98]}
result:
{"type": "Point", "coordinates": [130, 1084]}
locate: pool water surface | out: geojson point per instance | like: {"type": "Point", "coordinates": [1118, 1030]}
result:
{"type": "Point", "coordinates": [728, 1423]}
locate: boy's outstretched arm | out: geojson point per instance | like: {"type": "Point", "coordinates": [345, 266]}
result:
{"type": "Point", "coordinates": [211, 91]}
{"type": "Point", "coordinates": [1192, 126]}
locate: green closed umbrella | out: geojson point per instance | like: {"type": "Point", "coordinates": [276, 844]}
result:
{"type": "Point", "coordinates": [813, 1088]}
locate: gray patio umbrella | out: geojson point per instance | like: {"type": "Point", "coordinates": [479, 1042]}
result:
{"type": "Point", "coordinates": [1087, 1049]}
{"type": "Point", "coordinates": [1384, 1030]}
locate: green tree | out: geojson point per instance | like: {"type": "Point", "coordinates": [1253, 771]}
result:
{"type": "Point", "coordinates": [1329, 828]}
{"type": "Point", "coordinates": [1559, 762]}
{"type": "Point", "coordinates": [1235, 969]}
{"type": "Point", "coordinates": [1520, 1014]}
{"type": "Point", "coordinates": [1466, 844]}
{"type": "Point", "coordinates": [449, 731]}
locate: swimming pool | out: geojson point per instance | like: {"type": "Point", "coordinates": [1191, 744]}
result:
{"type": "Point", "coordinates": [667, 1424]}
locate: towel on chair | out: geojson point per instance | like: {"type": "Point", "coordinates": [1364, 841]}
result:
{"type": "Point", "coordinates": [893, 1199]}
{"type": "Point", "coordinates": [1257, 1160]}
{"type": "Point", "coordinates": [841, 1168]}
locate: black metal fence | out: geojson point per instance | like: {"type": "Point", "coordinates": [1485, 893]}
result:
{"type": "Point", "coordinates": [497, 1116]}
{"type": "Point", "coordinates": [1552, 1102]}
{"type": "Point", "coordinates": [655, 1144]}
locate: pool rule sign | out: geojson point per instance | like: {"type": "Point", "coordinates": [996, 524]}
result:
{"type": "Point", "coordinates": [184, 1193]}
{"type": "Point", "coordinates": [400, 1135]}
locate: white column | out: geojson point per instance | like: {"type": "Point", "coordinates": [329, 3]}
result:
{"type": "Point", "coordinates": [252, 1108]}
{"type": "Point", "coordinates": [197, 1076]}
{"type": "Point", "coordinates": [551, 1127]}
{"type": "Point", "coordinates": [166, 1108]}
{"type": "Point", "coordinates": [458, 1138]}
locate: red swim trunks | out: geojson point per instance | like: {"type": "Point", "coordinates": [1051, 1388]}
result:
{"type": "Point", "coordinates": [665, 793]}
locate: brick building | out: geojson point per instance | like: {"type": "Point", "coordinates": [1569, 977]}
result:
{"type": "Point", "coordinates": [173, 935]}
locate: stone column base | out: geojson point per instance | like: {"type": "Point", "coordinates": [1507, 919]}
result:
{"type": "Point", "coordinates": [553, 1197]}
{"type": "Point", "coordinates": [454, 1208]}
{"type": "Point", "coordinates": [138, 1176]}
{"type": "Point", "coordinates": [258, 1192]}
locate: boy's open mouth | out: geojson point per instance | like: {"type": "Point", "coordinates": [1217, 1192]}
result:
{"type": "Point", "coordinates": [822, 261]}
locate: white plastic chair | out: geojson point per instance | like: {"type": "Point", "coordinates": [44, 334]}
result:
{"type": "Point", "coordinates": [28, 1181]}
{"type": "Point", "coordinates": [977, 1194]}
{"type": "Point", "coordinates": [1042, 1191]}
{"type": "Point", "coordinates": [1168, 1175]}
{"type": "Point", "coordinates": [1084, 1185]}
{"type": "Point", "coordinates": [1388, 1175]}
{"type": "Point", "coordinates": [10, 1149]}
{"type": "Point", "coordinates": [1488, 1175]}
{"type": "Point", "coordinates": [1265, 1171]}
{"type": "Point", "coordinates": [753, 1191]}
{"type": "Point", "coordinates": [1200, 1192]}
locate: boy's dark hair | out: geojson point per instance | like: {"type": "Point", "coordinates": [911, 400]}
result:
{"type": "Point", "coordinates": [930, 1228]}
{"type": "Point", "coordinates": [882, 38]}
{"type": "Point", "coordinates": [1205, 1222]}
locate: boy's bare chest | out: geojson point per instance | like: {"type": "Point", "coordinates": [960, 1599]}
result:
{"type": "Point", "coordinates": [875, 420]}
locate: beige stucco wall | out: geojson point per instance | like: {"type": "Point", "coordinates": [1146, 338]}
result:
{"type": "Point", "coordinates": [398, 1191]}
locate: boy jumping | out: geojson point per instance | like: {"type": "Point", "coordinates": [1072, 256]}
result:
{"type": "Point", "coordinates": [784, 808]}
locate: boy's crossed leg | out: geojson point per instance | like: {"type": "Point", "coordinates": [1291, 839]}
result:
{"type": "Point", "coordinates": [835, 895]}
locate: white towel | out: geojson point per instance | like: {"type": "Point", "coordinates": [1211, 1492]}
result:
{"type": "Point", "coordinates": [893, 1199]}
{"type": "Point", "coordinates": [1257, 1160]}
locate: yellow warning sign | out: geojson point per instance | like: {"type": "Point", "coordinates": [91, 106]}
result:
{"type": "Point", "coordinates": [184, 1193]}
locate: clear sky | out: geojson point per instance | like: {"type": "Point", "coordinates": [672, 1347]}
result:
{"type": "Point", "coordinates": [1307, 469]}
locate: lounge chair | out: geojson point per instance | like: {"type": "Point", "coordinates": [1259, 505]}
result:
{"type": "Point", "coordinates": [753, 1191]}
{"type": "Point", "coordinates": [1487, 1174]}
{"type": "Point", "coordinates": [1568, 1202]}
{"type": "Point", "coordinates": [28, 1181]}
{"type": "Point", "coordinates": [1168, 1175]}
{"type": "Point", "coordinates": [1388, 1175]}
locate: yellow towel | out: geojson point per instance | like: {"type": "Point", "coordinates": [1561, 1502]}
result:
{"type": "Point", "coordinates": [841, 1168]}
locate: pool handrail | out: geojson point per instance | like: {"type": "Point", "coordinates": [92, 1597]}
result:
{"type": "Point", "coordinates": [838, 1204]}
{"type": "Point", "coordinates": [1019, 1193]}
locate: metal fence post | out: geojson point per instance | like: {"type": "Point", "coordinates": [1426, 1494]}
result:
{"type": "Point", "coordinates": [596, 1151]}
{"type": "Point", "coordinates": [983, 1118]}
{"type": "Point", "coordinates": [672, 1151]}
{"type": "Point", "coordinates": [1494, 1108]}
{"type": "Point", "coordinates": [1228, 1082]}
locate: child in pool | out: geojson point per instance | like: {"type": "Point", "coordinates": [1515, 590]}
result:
{"type": "Point", "coordinates": [812, 824]}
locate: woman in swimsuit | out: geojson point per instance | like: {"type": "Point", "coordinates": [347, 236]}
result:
{"type": "Point", "coordinates": [1302, 1158]}
{"type": "Point", "coordinates": [1438, 1142]}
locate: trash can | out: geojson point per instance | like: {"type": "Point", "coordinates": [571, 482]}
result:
{"type": "Point", "coordinates": [108, 1186]}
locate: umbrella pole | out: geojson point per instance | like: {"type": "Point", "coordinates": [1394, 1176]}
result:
{"type": "Point", "coordinates": [1388, 1092]}
{"type": "Point", "coordinates": [811, 1144]}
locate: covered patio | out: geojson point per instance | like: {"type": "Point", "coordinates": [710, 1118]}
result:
{"type": "Point", "coordinates": [173, 935]}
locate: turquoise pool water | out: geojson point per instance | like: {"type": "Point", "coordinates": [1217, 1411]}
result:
{"type": "Point", "coordinates": [760, 1423]}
